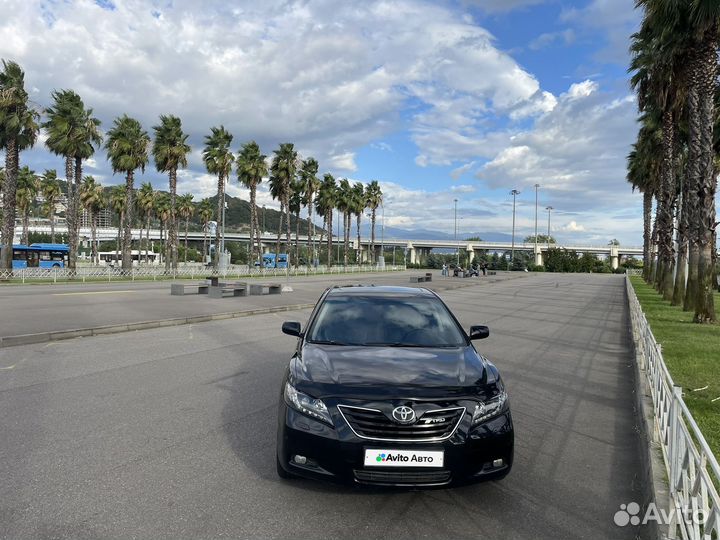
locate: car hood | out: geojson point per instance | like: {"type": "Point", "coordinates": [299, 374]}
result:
{"type": "Point", "coordinates": [364, 371]}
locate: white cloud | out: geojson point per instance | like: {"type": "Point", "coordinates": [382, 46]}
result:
{"type": "Point", "coordinates": [499, 6]}
{"type": "Point", "coordinates": [546, 39]}
{"type": "Point", "coordinates": [572, 226]}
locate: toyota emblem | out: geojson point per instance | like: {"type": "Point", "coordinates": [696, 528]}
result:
{"type": "Point", "coordinates": [403, 414]}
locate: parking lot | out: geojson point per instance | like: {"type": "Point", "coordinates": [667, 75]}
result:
{"type": "Point", "coordinates": [170, 433]}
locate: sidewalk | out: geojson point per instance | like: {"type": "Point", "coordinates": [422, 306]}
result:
{"type": "Point", "coordinates": [38, 313]}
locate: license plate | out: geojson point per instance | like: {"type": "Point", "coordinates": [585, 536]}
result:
{"type": "Point", "coordinates": [404, 458]}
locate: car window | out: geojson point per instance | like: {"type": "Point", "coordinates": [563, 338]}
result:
{"type": "Point", "coordinates": [379, 321]}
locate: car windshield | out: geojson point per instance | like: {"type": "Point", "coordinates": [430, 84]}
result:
{"type": "Point", "coordinates": [374, 320]}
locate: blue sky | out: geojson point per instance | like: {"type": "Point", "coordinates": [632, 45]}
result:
{"type": "Point", "coordinates": [437, 100]}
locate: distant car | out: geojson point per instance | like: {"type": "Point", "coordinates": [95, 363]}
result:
{"type": "Point", "coordinates": [386, 388]}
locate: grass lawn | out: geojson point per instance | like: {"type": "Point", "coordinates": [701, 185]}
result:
{"type": "Point", "coordinates": [692, 354]}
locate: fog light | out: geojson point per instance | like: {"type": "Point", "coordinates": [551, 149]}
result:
{"type": "Point", "coordinates": [300, 460]}
{"type": "Point", "coordinates": [497, 463]}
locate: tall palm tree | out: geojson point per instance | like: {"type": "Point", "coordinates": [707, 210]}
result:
{"type": "Point", "coordinates": [359, 203]}
{"type": "Point", "coordinates": [325, 204]}
{"type": "Point", "coordinates": [146, 199]}
{"type": "Point", "coordinates": [28, 186]}
{"type": "Point", "coordinates": [218, 160]}
{"type": "Point", "coordinates": [282, 174]}
{"type": "Point", "coordinates": [118, 204]}
{"type": "Point", "coordinates": [127, 147]}
{"type": "Point", "coordinates": [251, 168]}
{"type": "Point", "coordinates": [310, 186]}
{"type": "Point", "coordinates": [51, 193]}
{"type": "Point", "coordinates": [186, 209]}
{"type": "Point", "coordinates": [74, 133]}
{"type": "Point", "coordinates": [18, 131]}
{"type": "Point", "coordinates": [295, 204]}
{"type": "Point", "coordinates": [343, 203]}
{"type": "Point", "coordinates": [374, 199]}
{"type": "Point", "coordinates": [170, 151]}
{"type": "Point", "coordinates": [206, 213]}
{"type": "Point", "coordinates": [92, 199]}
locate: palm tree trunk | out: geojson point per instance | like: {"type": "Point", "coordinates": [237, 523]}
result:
{"type": "Point", "coordinates": [320, 240]}
{"type": "Point", "coordinates": [173, 226]}
{"type": "Point", "coordinates": [373, 255]}
{"type": "Point", "coordinates": [51, 204]}
{"type": "Point", "coordinates": [220, 208]}
{"type": "Point", "coordinates": [204, 254]}
{"type": "Point", "coordinates": [127, 234]}
{"type": "Point", "coordinates": [74, 233]}
{"type": "Point", "coordinates": [346, 237]}
{"type": "Point", "coordinates": [666, 202]}
{"type": "Point", "coordinates": [279, 233]}
{"type": "Point", "coordinates": [705, 303]}
{"type": "Point", "coordinates": [12, 158]}
{"type": "Point", "coordinates": [254, 232]}
{"type": "Point", "coordinates": [330, 235]}
{"type": "Point", "coordinates": [682, 249]}
{"type": "Point", "coordinates": [288, 244]}
{"type": "Point", "coordinates": [647, 233]}
{"type": "Point", "coordinates": [93, 234]}
{"type": "Point", "coordinates": [147, 238]}
{"type": "Point", "coordinates": [297, 239]}
{"type": "Point", "coordinates": [359, 247]}
{"type": "Point", "coordinates": [187, 224]}
{"type": "Point", "coordinates": [311, 230]}
{"type": "Point", "coordinates": [25, 225]}
{"type": "Point", "coordinates": [117, 244]}
{"type": "Point", "coordinates": [70, 213]}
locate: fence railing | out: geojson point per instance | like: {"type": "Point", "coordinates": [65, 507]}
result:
{"type": "Point", "coordinates": [692, 469]}
{"type": "Point", "coordinates": [107, 273]}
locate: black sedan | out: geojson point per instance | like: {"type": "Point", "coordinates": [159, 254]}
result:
{"type": "Point", "coordinates": [385, 388]}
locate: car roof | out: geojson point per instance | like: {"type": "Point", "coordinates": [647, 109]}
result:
{"type": "Point", "coordinates": [379, 290]}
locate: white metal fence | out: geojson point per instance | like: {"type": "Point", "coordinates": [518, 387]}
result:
{"type": "Point", "coordinates": [692, 469]}
{"type": "Point", "coordinates": [95, 273]}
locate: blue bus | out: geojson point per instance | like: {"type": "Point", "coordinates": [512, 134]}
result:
{"type": "Point", "coordinates": [269, 260]}
{"type": "Point", "coordinates": [40, 256]}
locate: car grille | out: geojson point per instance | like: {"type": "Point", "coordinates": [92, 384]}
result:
{"type": "Point", "coordinates": [402, 477]}
{"type": "Point", "coordinates": [373, 424]}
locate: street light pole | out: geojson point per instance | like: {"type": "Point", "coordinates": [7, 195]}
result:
{"type": "Point", "coordinates": [549, 209]}
{"type": "Point", "coordinates": [514, 193]}
{"type": "Point", "coordinates": [222, 238]}
{"type": "Point", "coordinates": [457, 249]}
{"type": "Point", "coordinates": [536, 222]}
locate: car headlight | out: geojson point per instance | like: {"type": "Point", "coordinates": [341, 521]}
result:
{"type": "Point", "coordinates": [487, 409]}
{"type": "Point", "coordinates": [305, 404]}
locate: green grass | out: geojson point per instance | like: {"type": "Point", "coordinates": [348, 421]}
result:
{"type": "Point", "coordinates": [692, 354]}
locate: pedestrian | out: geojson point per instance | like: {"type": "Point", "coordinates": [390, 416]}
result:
{"type": "Point", "coordinates": [444, 270]}
{"type": "Point", "coordinates": [484, 268]}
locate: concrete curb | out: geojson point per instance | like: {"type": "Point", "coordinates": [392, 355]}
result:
{"type": "Point", "coordinates": [43, 337]}
{"type": "Point", "coordinates": [653, 476]}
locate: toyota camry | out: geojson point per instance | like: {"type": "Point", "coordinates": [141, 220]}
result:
{"type": "Point", "coordinates": [386, 388]}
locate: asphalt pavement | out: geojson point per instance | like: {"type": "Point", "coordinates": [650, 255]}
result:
{"type": "Point", "coordinates": [170, 432]}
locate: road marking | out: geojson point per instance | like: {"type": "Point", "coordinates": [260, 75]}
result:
{"type": "Point", "coordinates": [8, 367]}
{"type": "Point", "coordinates": [92, 292]}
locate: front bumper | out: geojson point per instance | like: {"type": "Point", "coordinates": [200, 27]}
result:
{"type": "Point", "coordinates": [338, 454]}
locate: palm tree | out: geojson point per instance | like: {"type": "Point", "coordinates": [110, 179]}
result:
{"type": "Point", "coordinates": [374, 199]}
{"type": "Point", "coordinates": [251, 168]}
{"type": "Point", "coordinates": [218, 160]}
{"type": "Point", "coordinates": [163, 212]}
{"type": "Point", "coordinates": [186, 209]}
{"type": "Point", "coordinates": [295, 204]}
{"type": "Point", "coordinates": [92, 199]}
{"type": "Point", "coordinates": [206, 214]}
{"type": "Point", "coordinates": [146, 199]}
{"type": "Point", "coordinates": [72, 132]}
{"type": "Point", "coordinates": [51, 193]}
{"type": "Point", "coordinates": [27, 188]}
{"type": "Point", "coordinates": [282, 174]}
{"type": "Point", "coordinates": [18, 131]}
{"type": "Point", "coordinates": [325, 203]}
{"type": "Point", "coordinates": [343, 203]}
{"type": "Point", "coordinates": [359, 203]}
{"type": "Point", "coordinates": [170, 151]}
{"type": "Point", "coordinates": [310, 186]}
{"type": "Point", "coordinates": [118, 203]}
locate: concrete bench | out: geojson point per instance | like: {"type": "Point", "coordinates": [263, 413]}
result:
{"type": "Point", "coordinates": [417, 279]}
{"type": "Point", "coordinates": [492, 273]}
{"type": "Point", "coordinates": [428, 276]}
{"type": "Point", "coordinates": [213, 280]}
{"type": "Point", "coordinates": [181, 289]}
{"type": "Point", "coordinates": [257, 289]}
{"type": "Point", "coordinates": [224, 290]}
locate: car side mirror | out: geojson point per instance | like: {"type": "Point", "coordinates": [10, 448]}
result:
{"type": "Point", "coordinates": [291, 328]}
{"type": "Point", "coordinates": [479, 332]}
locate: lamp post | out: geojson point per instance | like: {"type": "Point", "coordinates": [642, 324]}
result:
{"type": "Point", "coordinates": [222, 238]}
{"type": "Point", "coordinates": [514, 193]}
{"type": "Point", "coordinates": [549, 209]}
{"type": "Point", "coordinates": [536, 222]}
{"type": "Point", "coordinates": [457, 249]}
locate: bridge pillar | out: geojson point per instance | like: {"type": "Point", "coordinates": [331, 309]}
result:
{"type": "Point", "coordinates": [471, 254]}
{"type": "Point", "coordinates": [614, 257]}
{"type": "Point", "coordinates": [538, 256]}
{"type": "Point", "coordinates": [413, 253]}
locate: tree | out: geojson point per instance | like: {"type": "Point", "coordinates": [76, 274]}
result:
{"type": "Point", "coordinates": [282, 174]}
{"type": "Point", "coordinates": [310, 186]}
{"type": "Point", "coordinates": [127, 148]}
{"type": "Point", "coordinates": [27, 188]}
{"type": "Point", "coordinates": [18, 132]}
{"type": "Point", "coordinates": [163, 212]}
{"type": "Point", "coordinates": [374, 199]}
{"type": "Point", "coordinates": [73, 133]}
{"type": "Point", "coordinates": [324, 205]}
{"type": "Point", "coordinates": [186, 209]}
{"type": "Point", "coordinates": [51, 193]}
{"type": "Point", "coordinates": [359, 203]}
{"type": "Point", "coordinates": [92, 199]}
{"type": "Point", "coordinates": [251, 168]}
{"type": "Point", "coordinates": [146, 199]}
{"type": "Point", "coordinates": [170, 152]}
{"type": "Point", "coordinates": [541, 238]}
{"type": "Point", "coordinates": [118, 203]}
{"type": "Point", "coordinates": [218, 160]}
{"type": "Point", "coordinates": [206, 213]}
{"type": "Point", "coordinates": [295, 206]}
{"type": "Point", "coordinates": [344, 204]}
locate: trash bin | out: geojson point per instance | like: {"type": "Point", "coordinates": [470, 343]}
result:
{"type": "Point", "coordinates": [461, 274]}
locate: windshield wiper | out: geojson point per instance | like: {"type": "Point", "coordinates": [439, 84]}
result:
{"type": "Point", "coordinates": [327, 342]}
{"type": "Point", "coordinates": [393, 344]}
